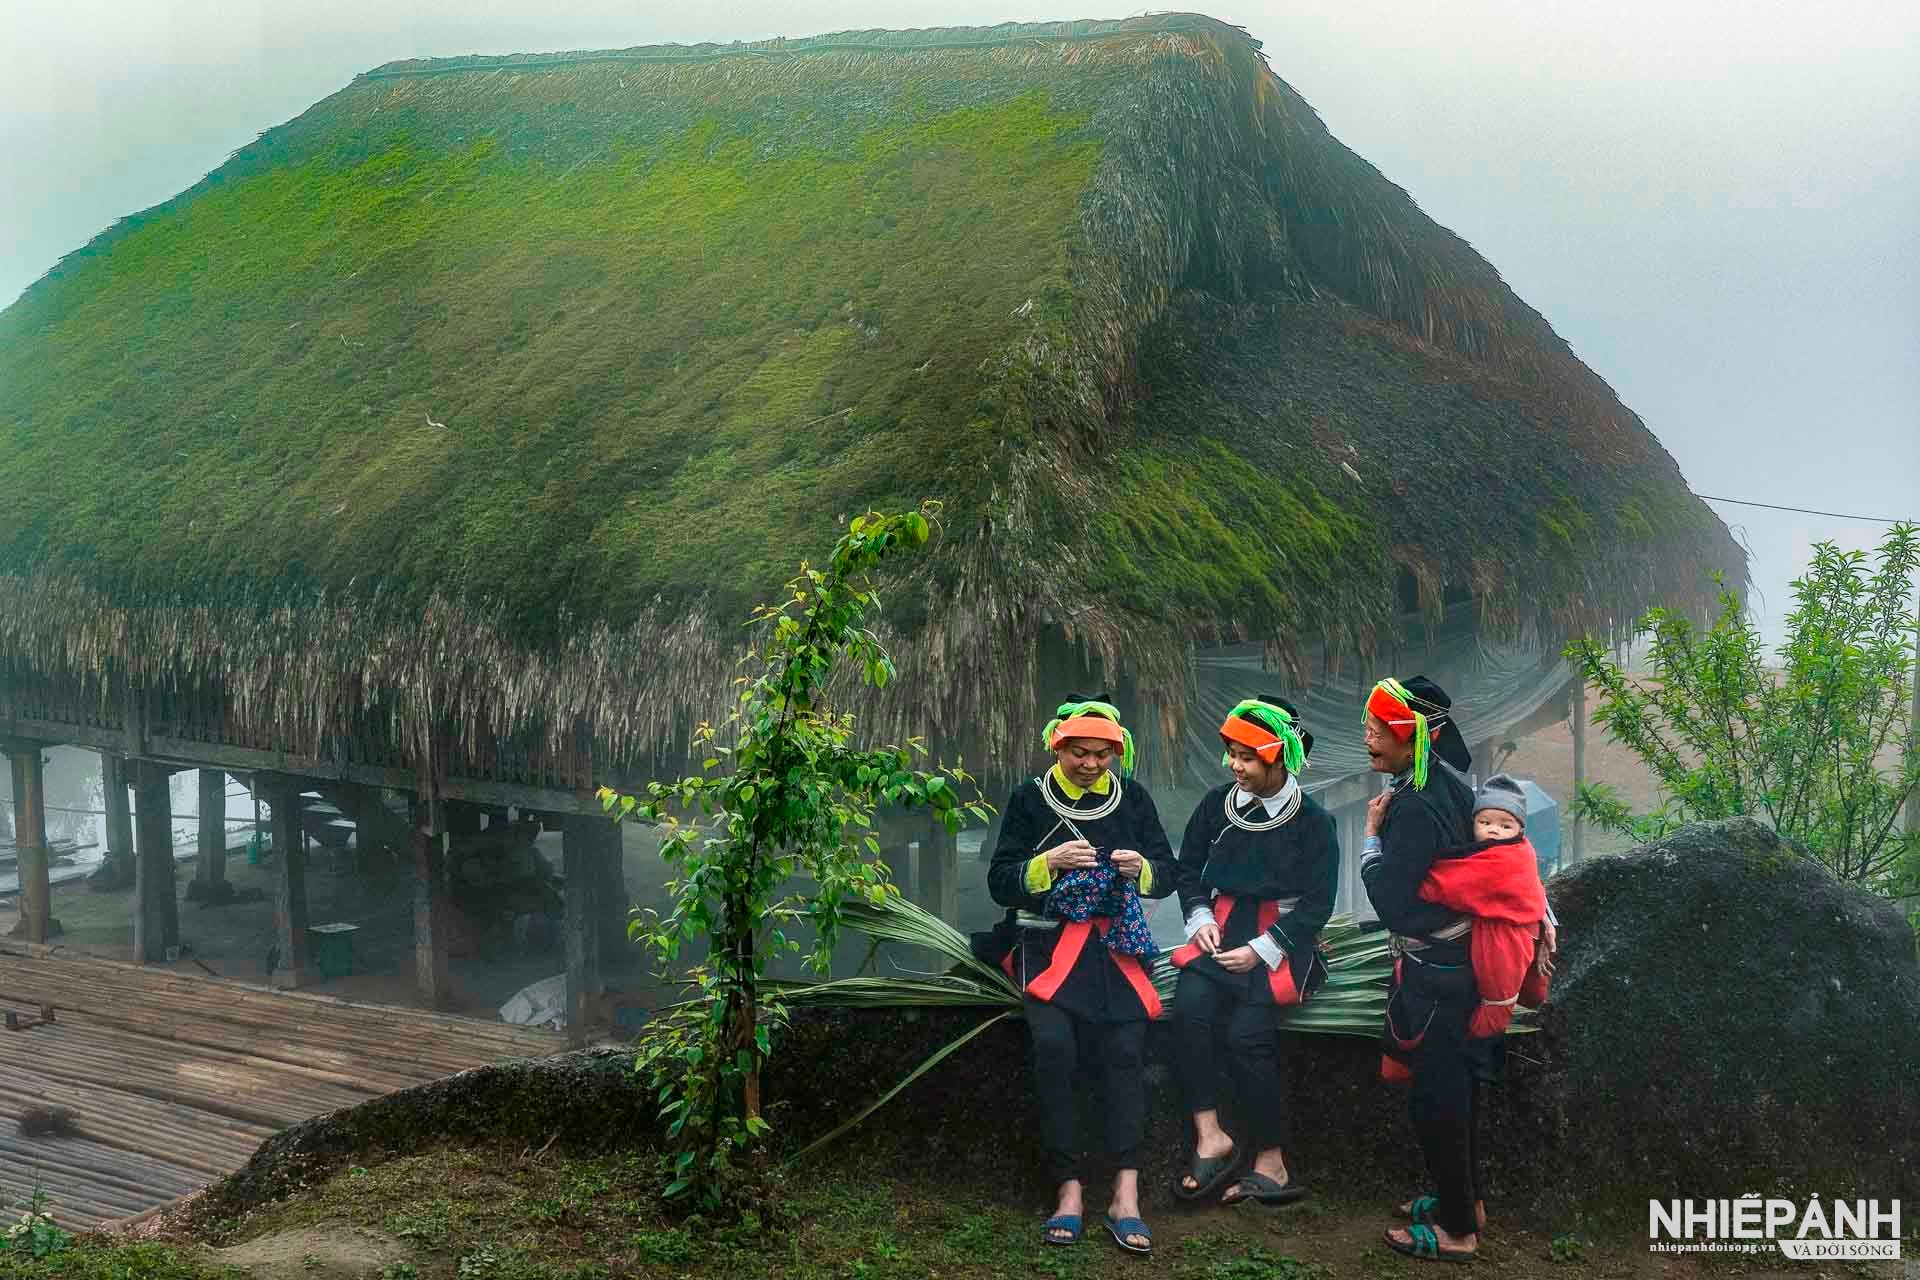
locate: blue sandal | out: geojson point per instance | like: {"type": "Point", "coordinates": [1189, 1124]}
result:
{"type": "Point", "coordinates": [1068, 1222]}
{"type": "Point", "coordinates": [1425, 1245]}
{"type": "Point", "coordinates": [1124, 1227]}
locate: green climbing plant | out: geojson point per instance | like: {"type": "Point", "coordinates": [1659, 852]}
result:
{"type": "Point", "coordinates": [774, 833]}
{"type": "Point", "coordinates": [1818, 741]}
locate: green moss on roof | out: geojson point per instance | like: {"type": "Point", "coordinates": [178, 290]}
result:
{"type": "Point", "coordinates": [659, 369]}
{"type": "Point", "coordinates": [612, 339]}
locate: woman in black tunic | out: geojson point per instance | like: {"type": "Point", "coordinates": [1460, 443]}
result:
{"type": "Point", "coordinates": [1079, 847]}
{"type": "Point", "coordinates": [1258, 868]}
{"type": "Point", "coordinates": [1426, 814]}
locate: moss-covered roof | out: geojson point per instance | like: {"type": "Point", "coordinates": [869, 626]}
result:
{"type": "Point", "coordinates": [578, 353]}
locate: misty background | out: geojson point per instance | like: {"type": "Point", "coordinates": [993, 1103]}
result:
{"type": "Point", "coordinates": [1715, 203]}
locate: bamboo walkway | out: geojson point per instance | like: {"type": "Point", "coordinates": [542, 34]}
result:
{"type": "Point", "coordinates": [175, 1080]}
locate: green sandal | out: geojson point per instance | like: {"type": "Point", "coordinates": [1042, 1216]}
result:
{"type": "Point", "coordinates": [1425, 1245]}
{"type": "Point", "coordinates": [1420, 1209]}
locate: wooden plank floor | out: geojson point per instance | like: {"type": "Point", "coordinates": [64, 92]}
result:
{"type": "Point", "coordinates": [177, 1079]}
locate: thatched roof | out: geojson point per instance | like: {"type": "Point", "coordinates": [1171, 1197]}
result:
{"type": "Point", "coordinates": [490, 391]}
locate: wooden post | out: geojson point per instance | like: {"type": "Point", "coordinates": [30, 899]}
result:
{"type": "Point", "coordinates": [211, 870]}
{"type": "Point", "coordinates": [933, 870]}
{"type": "Point", "coordinates": [582, 844]}
{"type": "Point", "coordinates": [430, 922]}
{"type": "Point", "coordinates": [1576, 829]}
{"type": "Point", "coordinates": [156, 907]}
{"type": "Point", "coordinates": [30, 842]}
{"type": "Point", "coordinates": [614, 900]}
{"type": "Point", "coordinates": [290, 884]}
{"type": "Point", "coordinates": [116, 872]}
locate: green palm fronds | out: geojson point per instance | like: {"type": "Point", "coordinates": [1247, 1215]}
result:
{"type": "Point", "coordinates": [1351, 1002]}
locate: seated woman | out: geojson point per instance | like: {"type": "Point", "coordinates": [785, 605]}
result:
{"type": "Point", "coordinates": [1079, 847]}
{"type": "Point", "coordinates": [1258, 866]}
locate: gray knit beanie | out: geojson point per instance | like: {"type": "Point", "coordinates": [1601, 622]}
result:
{"type": "Point", "coordinates": [1503, 792]}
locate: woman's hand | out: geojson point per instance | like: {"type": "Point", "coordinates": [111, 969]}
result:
{"type": "Point", "coordinates": [1549, 944]}
{"type": "Point", "coordinates": [1128, 863]}
{"type": "Point", "coordinates": [1207, 938]}
{"type": "Point", "coordinates": [1377, 812]}
{"type": "Point", "coordinates": [1238, 960]}
{"type": "Point", "coordinates": [1074, 855]}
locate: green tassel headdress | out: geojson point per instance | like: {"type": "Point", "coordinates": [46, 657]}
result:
{"type": "Point", "coordinates": [1408, 716]}
{"type": "Point", "coordinates": [1280, 741]}
{"type": "Point", "coordinates": [1091, 718]}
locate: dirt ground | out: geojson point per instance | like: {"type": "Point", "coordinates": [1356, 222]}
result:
{"type": "Point", "coordinates": [514, 1213]}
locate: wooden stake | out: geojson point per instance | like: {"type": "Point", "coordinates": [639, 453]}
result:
{"type": "Point", "coordinates": [583, 844]}
{"type": "Point", "coordinates": [934, 873]}
{"type": "Point", "coordinates": [1577, 830]}
{"type": "Point", "coordinates": [30, 842]}
{"type": "Point", "coordinates": [290, 885]}
{"type": "Point", "coordinates": [113, 778]}
{"type": "Point", "coordinates": [211, 870]}
{"type": "Point", "coordinates": [430, 922]}
{"type": "Point", "coordinates": [612, 900]}
{"type": "Point", "coordinates": [156, 907]}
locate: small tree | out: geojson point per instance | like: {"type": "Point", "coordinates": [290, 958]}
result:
{"type": "Point", "coordinates": [788, 802]}
{"type": "Point", "coordinates": [1820, 743]}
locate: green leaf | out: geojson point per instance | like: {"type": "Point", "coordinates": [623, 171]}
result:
{"type": "Point", "coordinates": [931, 1062]}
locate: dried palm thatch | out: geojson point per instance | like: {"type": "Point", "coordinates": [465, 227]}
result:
{"type": "Point", "coordinates": [477, 402]}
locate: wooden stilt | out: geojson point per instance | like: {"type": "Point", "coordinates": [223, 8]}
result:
{"type": "Point", "coordinates": [612, 898]}
{"type": "Point", "coordinates": [1576, 829]}
{"type": "Point", "coordinates": [211, 870]}
{"type": "Point", "coordinates": [583, 844]}
{"type": "Point", "coordinates": [30, 842]}
{"type": "Point", "coordinates": [156, 907]}
{"type": "Point", "coordinates": [430, 922]}
{"type": "Point", "coordinates": [934, 874]}
{"type": "Point", "coordinates": [116, 871]}
{"type": "Point", "coordinates": [290, 885]}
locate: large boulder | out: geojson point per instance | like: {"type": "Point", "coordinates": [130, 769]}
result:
{"type": "Point", "coordinates": [1727, 1017]}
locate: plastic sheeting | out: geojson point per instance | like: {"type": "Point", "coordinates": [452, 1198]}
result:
{"type": "Point", "coordinates": [1494, 688]}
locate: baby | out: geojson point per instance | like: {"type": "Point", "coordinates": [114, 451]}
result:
{"type": "Point", "coordinates": [1496, 880]}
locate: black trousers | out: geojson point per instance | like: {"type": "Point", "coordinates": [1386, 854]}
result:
{"type": "Point", "coordinates": [1445, 1101]}
{"type": "Point", "coordinates": [1069, 1055]}
{"type": "Point", "coordinates": [1212, 1017]}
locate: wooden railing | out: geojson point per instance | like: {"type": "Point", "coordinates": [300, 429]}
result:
{"type": "Point", "coordinates": [198, 726]}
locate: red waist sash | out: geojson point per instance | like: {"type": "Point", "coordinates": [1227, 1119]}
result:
{"type": "Point", "coordinates": [1279, 981]}
{"type": "Point", "coordinates": [1071, 941]}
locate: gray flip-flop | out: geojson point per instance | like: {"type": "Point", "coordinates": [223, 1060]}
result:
{"type": "Point", "coordinates": [1211, 1172]}
{"type": "Point", "coordinates": [1258, 1188]}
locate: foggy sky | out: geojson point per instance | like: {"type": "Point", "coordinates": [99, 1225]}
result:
{"type": "Point", "coordinates": [1715, 203]}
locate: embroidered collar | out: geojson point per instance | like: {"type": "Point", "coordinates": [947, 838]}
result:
{"type": "Point", "coordinates": [1101, 785]}
{"type": "Point", "coordinates": [1280, 807]}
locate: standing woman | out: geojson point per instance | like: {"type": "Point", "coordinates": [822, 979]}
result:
{"type": "Point", "coordinates": [1258, 868]}
{"type": "Point", "coordinates": [1079, 847]}
{"type": "Point", "coordinates": [1427, 812]}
